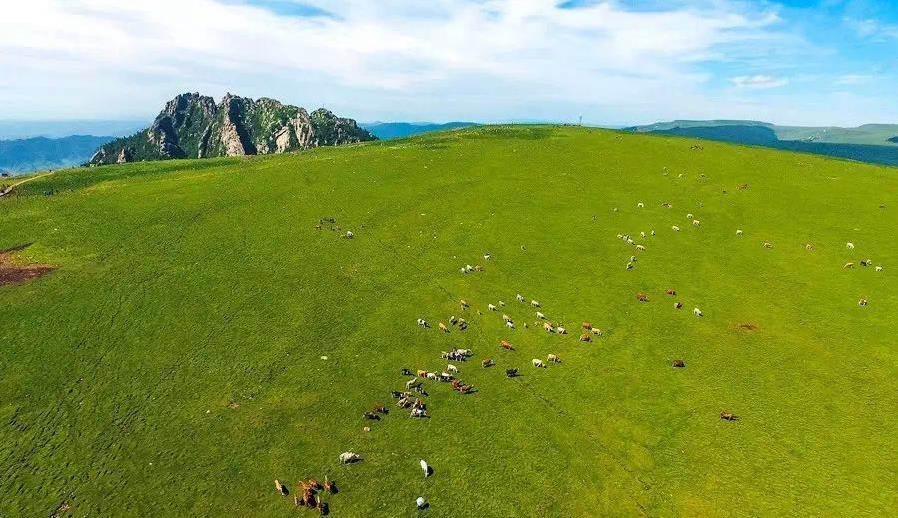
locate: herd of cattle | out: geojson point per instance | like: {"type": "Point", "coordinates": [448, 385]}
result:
{"type": "Point", "coordinates": [411, 398]}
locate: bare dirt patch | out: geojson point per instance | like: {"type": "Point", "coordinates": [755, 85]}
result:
{"type": "Point", "coordinates": [13, 271]}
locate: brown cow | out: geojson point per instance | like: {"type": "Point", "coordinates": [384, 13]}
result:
{"type": "Point", "coordinates": [585, 338]}
{"type": "Point", "coordinates": [506, 345]}
{"type": "Point", "coordinates": [587, 325]}
{"type": "Point", "coordinates": [728, 416]}
{"type": "Point", "coordinates": [671, 292]}
{"type": "Point", "coordinates": [679, 363]}
{"type": "Point", "coordinates": [642, 297]}
{"type": "Point", "coordinates": [488, 362]}
{"type": "Point", "coordinates": [443, 328]}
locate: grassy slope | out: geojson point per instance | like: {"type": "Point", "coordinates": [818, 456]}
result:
{"type": "Point", "coordinates": [186, 285]}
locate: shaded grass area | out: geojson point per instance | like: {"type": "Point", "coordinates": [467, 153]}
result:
{"type": "Point", "coordinates": [172, 365]}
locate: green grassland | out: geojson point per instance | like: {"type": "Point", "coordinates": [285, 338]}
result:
{"type": "Point", "coordinates": [173, 366]}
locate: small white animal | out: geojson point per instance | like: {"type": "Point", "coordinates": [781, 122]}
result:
{"type": "Point", "coordinates": [509, 324]}
{"type": "Point", "coordinates": [420, 502]}
{"type": "Point", "coordinates": [348, 457]}
{"type": "Point", "coordinates": [519, 297]}
{"type": "Point", "coordinates": [697, 312]}
{"type": "Point", "coordinates": [538, 363]}
{"type": "Point", "coordinates": [539, 314]}
{"type": "Point", "coordinates": [501, 303]}
{"type": "Point", "coordinates": [878, 268]}
{"type": "Point", "coordinates": [640, 205]}
{"type": "Point", "coordinates": [739, 232]}
{"type": "Point", "coordinates": [653, 232]}
{"type": "Point", "coordinates": [696, 222]}
{"type": "Point", "coordinates": [452, 369]}
{"type": "Point", "coordinates": [675, 228]}
{"type": "Point", "coordinates": [641, 248]}
{"type": "Point", "coordinates": [642, 235]}
{"type": "Point", "coordinates": [689, 216]}
{"type": "Point", "coordinates": [349, 235]}
{"type": "Point", "coordinates": [491, 307]}
{"type": "Point", "coordinates": [849, 245]}
{"type": "Point", "coordinates": [426, 469]}
{"type": "Point", "coordinates": [534, 303]}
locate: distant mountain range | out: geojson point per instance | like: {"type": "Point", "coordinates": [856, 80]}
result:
{"type": "Point", "coordinates": [194, 126]}
{"type": "Point", "coordinates": [391, 130]}
{"type": "Point", "coordinates": [23, 155]}
{"type": "Point", "coordinates": [875, 143]}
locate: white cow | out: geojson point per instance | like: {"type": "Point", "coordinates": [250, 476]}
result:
{"type": "Point", "coordinates": [560, 330]}
{"type": "Point", "coordinates": [423, 323]}
{"type": "Point", "coordinates": [675, 228]}
{"type": "Point", "coordinates": [506, 318]}
{"type": "Point", "coordinates": [534, 303]}
{"type": "Point", "coordinates": [540, 315]}
{"type": "Point", "coordinates": [878, 268]}
{"type": "Point", "coordinates": [696, 222]}
{"type": "Point", "coordinates": [849, 245]}
{"type": "Point", "coordinates": [689, 216]}
{"type": "Point", "coordinates": [653, 232]}
{"type": "Point", "coordinates": [349, 235]}
{"type": "Point", "coordinates": [640, 205]}
{"type": "Point", "coordinates": [538, 363]}
{"type": "Point", "coordinates": [697, 312]}
{"type": "Point", "coordinates": [426, 469]}
{"type": "Point", "coordinates": [348, 457]}
{"type": "Point", "coordinates": [519, 297]}
{"type": "Point", "coordinates": [641, 248]}
{"type": "Point", "coordinates": [501, 303]}
{"type": "Point", "coordinates": [738, 231]}
{"type": "Point", "coordinates": [491, 307]}
{"type": "Point", "coordinates": [452, 369]}
{"type": "Point", "coordinates": [509, 324]}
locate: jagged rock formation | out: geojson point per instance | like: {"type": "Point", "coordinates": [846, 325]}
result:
{"type": "Point", "coordinates": [193, 126]}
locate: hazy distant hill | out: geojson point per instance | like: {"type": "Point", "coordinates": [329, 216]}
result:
{"type": "Point", "coordinates": [389, 130]}
{"type": "Point", "coordinates": [22, 155]}
{"type": "Point", "coordinates": [874, 143]}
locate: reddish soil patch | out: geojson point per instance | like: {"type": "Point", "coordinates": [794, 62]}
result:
{"type": "Point", "coordinates": [12, 272]}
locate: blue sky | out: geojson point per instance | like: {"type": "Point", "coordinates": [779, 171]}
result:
{"type": "Point", "coordinates": [812, 62]}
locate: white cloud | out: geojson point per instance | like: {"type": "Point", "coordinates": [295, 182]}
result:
{"type": "Point", "coordinates": [391, 59]}
{"type": "Point", "coordinates": [759, 81]}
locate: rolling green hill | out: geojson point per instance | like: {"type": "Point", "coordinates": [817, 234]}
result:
{"type": "Point", "coordinates": [209, 330]}
{"type": "Point", "coordinates": [873, 143]}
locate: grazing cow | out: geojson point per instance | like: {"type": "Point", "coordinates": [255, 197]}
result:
{"type": "Point", "coordinates": [866, 262]}
{"type": "Point", "coordinates": [809, 247]}
{"type": "Point", "coordinates": [412, 383]}
{"type": "Point", "coordinates": [739, 232]}
{"type": "Point", "coordinates": [689, 216]}
{"type": "Point", "coordinates": [642, 235]}
{"type": "Point", "coordinates": [396, 394]}
{"type": "Point", "coordinates": [675, 228]}
{"type": "Point", "coordinates": [464, 304]}
{"type": "Point", "coordinates": [501, 303]}
{"type": "Point", "coordinates": [330, 486]}
{"type": "Point", "coordinates": [630, 265]}
{"type": "Point", "coordinates": [849, 245]}
{"type": "Point", "coordinates": [505, 344]}
{"type": "Point", "coordinates": [446, 377]}
{"type": "Point", "coordinates": [538, 363]}
{"type": "Point", "coordinates": [421, 373]}
{"type": "Point", "coordinates": [552, 358]}
{"type": "Point", "coordinates": [534, 303]}
{"type": "Point", "coordinates": [509, 324]}
{"type": "Point", "coordinates": [696, 223]}
{"type": "Point", "coordinates": [487, 256]}
{"type": "Point", "coordinates": [425, 468]}
{"type": "Point", "coordinates": [453, 320]}
{"type": "Point", "coordinates": [491, 307]}
{"type": "Point", "coordinates": [432, 376]}
{"type": "Point", "coordinates": [487, 362]}
{"type": "Point", "coordinates": [548, 327]}
{"type": "Point", "coordinates": [768, 244]}
{"type": "Point", "coordinates": [587, 325]}
{"type": "Point", "coordinates": [862, 302]}
{"type": "Point", "coordinates": [640, 205]}
{"type": "Point", "coordinates": [642, 297]}
{"type": "Point", "coordinates": [697, 312]}
{"type": "Point", "coordinates": [423, 323]}
{"type": "Point", "coordinates": [585, 338]}
{"type": "Point", "coordinates": [728, 416]}
{"type": "Point", "coordinates": [348, 457]}
{"type": "Point", "coordinates": [652, 232]}
{"type": "Point", "coordinates": [679, 364]}
{"type": "Point", "coordinates": [443, 328]}
{"type": "Point", "coordinates": [452, 368]}
{"type": "Point", "coordinates": [418, 412]}
{"type": "Point", "coordinates": [349, 235]}
{"type": "Point", "coordinates": [280, 488]}
{"type": "Point", "coordinates": [540, 315]}
{"type": "Point", "coordinates": [878, 268]}
{"type": "Point", "coordinates": [371, 415]}
{"type": "Point", "coordinates": [506, 318]}
{"type": "Point", "coordinates": [561, 330]}
{"type": "Point", "coordinates": [671, 292]}
{"type": "Point", "coordinates": [596, 331]}
{"type": "Point", "coordinates": [849, 264]}
{"type": "Point", "coordinates": [641, 248]}
{"type": "Point", "coordinates": [678, 305]}
{"type": "Point", "coordinates": [519, 297]}
{"type": "Point", "coordinates": [511, 373]}
{"type": "Point", "coordinates": [380, 409]}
